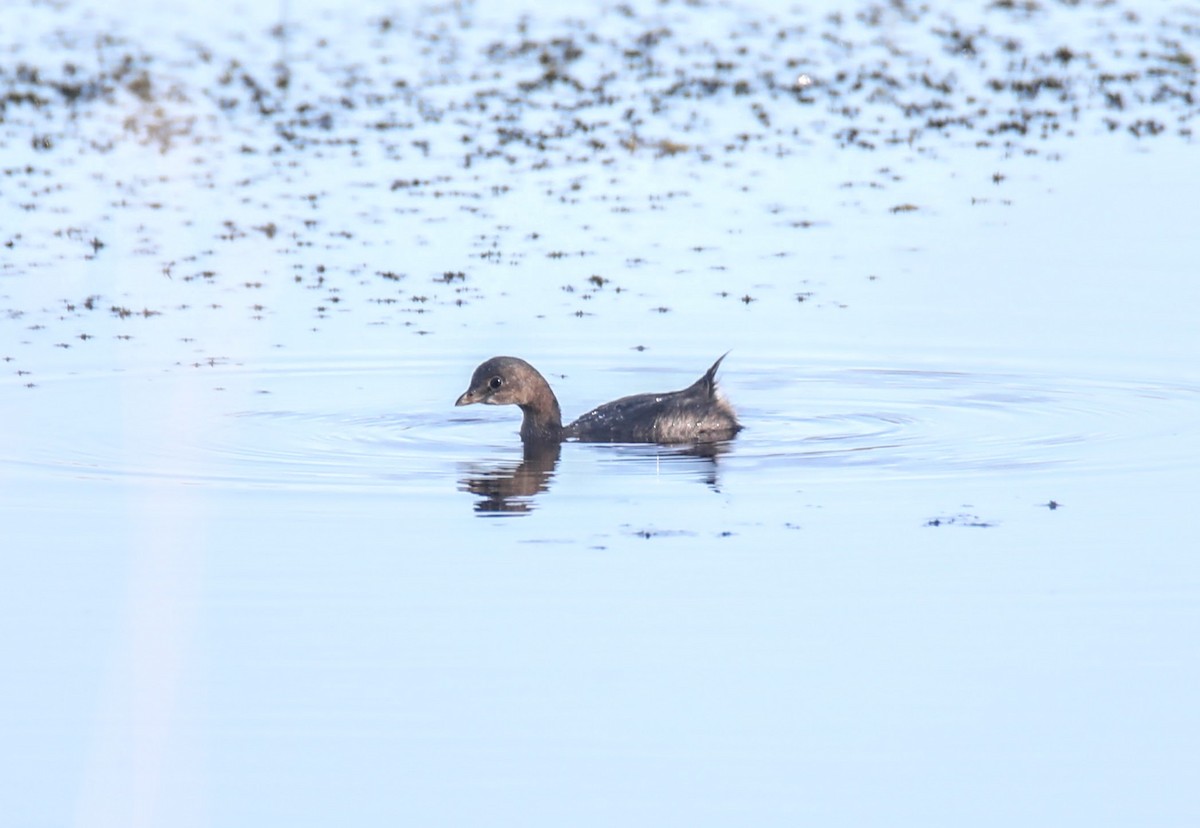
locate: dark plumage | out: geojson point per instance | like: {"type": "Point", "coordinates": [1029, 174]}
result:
{"type": "Point", "coordinates": [698, 413]}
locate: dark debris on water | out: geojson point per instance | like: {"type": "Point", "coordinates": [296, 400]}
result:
{"type": "Point", "coordinates": [962, 519]}
{"type": "Point", "coordinates": [446, 94]}
{"type": "Point", "coordinates": [877, 74]}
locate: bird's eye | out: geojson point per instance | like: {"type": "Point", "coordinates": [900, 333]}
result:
{"type": "Point", "coordinates": [495, 383]}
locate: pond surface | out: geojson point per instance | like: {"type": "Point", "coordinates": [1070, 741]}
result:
{"type": "Point", "coordinates": [258, 569]}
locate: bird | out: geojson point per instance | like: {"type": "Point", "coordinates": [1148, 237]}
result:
{"type": "Point", "coordinates": [696, 414]}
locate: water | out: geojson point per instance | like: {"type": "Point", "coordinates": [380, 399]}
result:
{"type": "Point", "coordinates": [258, 568]}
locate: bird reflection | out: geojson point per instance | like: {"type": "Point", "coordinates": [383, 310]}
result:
{"type": "Point", "coordinates": [699, 458]}
{"type": "Point", "coordinates": [511, 488]}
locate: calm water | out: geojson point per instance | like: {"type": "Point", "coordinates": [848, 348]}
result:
{"type": "Point", "coordinates": [257, 568]}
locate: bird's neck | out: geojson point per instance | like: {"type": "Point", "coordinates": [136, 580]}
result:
{"type": "Point", "coordinates": [542, 420]}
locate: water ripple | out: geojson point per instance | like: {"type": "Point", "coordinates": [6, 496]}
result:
{"type": "Point", "coordinates": [891, 420]}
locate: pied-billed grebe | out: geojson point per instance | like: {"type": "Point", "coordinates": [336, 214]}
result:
{"type": "Point", "coordinates": [695, 414]}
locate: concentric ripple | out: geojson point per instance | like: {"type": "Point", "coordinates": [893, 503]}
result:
{"type": "Point", "coordinates": [884, 420]}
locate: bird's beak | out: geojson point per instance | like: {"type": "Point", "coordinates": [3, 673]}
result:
{"type": "Point", "coordinates": [469, 396]}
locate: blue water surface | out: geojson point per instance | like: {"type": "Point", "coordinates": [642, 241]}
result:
{"type": "Point", "coordinates": [258, 569]}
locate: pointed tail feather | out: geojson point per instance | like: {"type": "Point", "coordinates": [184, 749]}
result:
{"type": "Point", "coordinates": [709, 380]}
